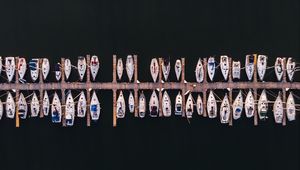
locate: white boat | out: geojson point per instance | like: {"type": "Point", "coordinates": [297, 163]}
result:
{"type": "Point", "coordinates": [45, 68]}
{"type": "Point", "coordinates": [237, 106]}
{"type": "Point", "coordinates": [166, 105]}
{"type": "Point", "coordinates": [290, 68]}
{"type": "Point", "coordinates": [120, 68]}
{"type": "Point", "coordinates": [10, 106]}
{"type": "Point", "coordinates": [121, 107]}
{"type": "Point", "coordinates": [154, 69]}
{"type": "Point", "coordinates": [1, 107]}
{"type": "Point", "coordinates": [236, 69]}
{"type": "Point", "coordinates": [56, 109]}
{"type": "Point", "coordinates": [279, 68]}
{"type": "Point", "coordinates": [34, 105]}
{"type": "Point", "coordinates": [94, 66]}
{"type": "Point", "coordinates": [153, 105]}
{"type": "Point", "coordinates": [278, 109]}
{"type": "Point", "coordinates": [131, 102]}
{"type": "Point", "coordinates": [249, 66]}
{"type": "Point", "coordinates": [224, 65]}
{"type": "Point", "coordinates": [67, 68]}
{"type": "Point", "coordinates": [34, 68]}
{"type": "Point", "coordinates": [225, 110]}
{"type": "Point", "coordinates": [165, 68]}
{"type": "Point", "coordinates": [81, 66]}
{"type": "Point", "coordinates": [290, 108]}
{"type": "Point", "coordinates": [142, 105]}
{"type": "Point", "coordinates": [262, 106]}
{"type": "Point", "coordinates": [189, 106]}
{"type": "Point", "coordinates": [211, 105]}
{"type": "Point", "coordinates": [70, 109]}
{"type": "Point", "coordinates": [22, 107]}
{"type": "Point", "coordinates": [46, 104]}
{"type": "Point", "coordinates": [22, 66]}
{"type": "Point", "coordinates": [199, 105]}
{"type": "Point", "coordinates": [261, 66]}
{"type": "Point", "coordinates": [178, 69]}
{"type": "Point", "coordinates": [211, 68]}
{"type": "Point", "coordinates": [10, 67]}
{"type": "Point", "coordinates": [130, 67]}
{"type": "Point", "coordinates": [81, 105]}
{"type": "Point", "coordinates": [199, 72]}
{"type": "Point", "coordinates": [95, 107]}
{"type": "Point", "coordinates": [249, 105]}
{"type": "Point", "coordinates": [57, 72]}
{"type": "Point", "coordinates": [178, 104]}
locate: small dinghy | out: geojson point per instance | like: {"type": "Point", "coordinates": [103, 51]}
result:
{"type": "Point", "coordinates": [224, 65]}
{"type": "Point", "coordinates": [290, 107]}
{"type": "Point", "coordinates": [1, 107]}
{"type": "Point", "coordinates": [81, 66]}
{"type": "Point", "coordinates": [290, 68]}
{"type": "Point", "coordinates": [154, 69]}
{"type": "Point", "coordinates": [263, 105]}
{"type": "Point", "coordinates": [211, 105]}
{"type": "Point", "coordinates": [34, 69]}
{"type": "Point", "coordinates": [249, 105]}
{"type": "Point", "coordinates": [56, 109]}
{"type": "Point", "coordinates": [46, 104]}
{"type": "Point", "coordinates": [142, 105]}
{"type": "Point", "coordinates": [153, 104]}
{"type": "Point", "coordinates": [166, 105]}
{"type": "Point", "coordinates": [57, 72]}
{"type": "Point", "coordinates": [189, 106]}
{"type": "Point", "coordinates": [120, 68]}
{"type": "Point", "coordinates": [178, 104]}
{"type": "Point", "coordinates": [22, 107]}
{"type": "Point", "coordinates": [45, 68]}
{"type": "Point", "coordinates": [22, 66]}
{"type": "Point", "coordinates": [130, 67]}
{"type": "Point", "coordinates": [10, 67]}
{"type": "Point", "coordinates": [70, 109]}
{"type": "Point", "coordinates": [261, 66]}
{"type": "Point", "coordinates": [199, 105]}
{"type": "Point", "coordinates": [121, 107]}
{"type": "Point", "coordinates": [131, 102]}
{"type": "Point", "coordinates": [236, 69]}
{"type": "Point", "coordinates": [10, 106]}
{"type": "Point", "coordinates": [68, 68]}
{"type": "Point", "coordinates": [278, 109]}
{"type": "Point", "coordinates": [237, 106]}
{"type": "Point", "coordinates": [165, 68]}
{"type": "Point", "coordinates": [199, 72]}
{"type": "Point", "coordinates": [178, 69]}
{"type": "Point", "coordinates": [34, 105]}
{"type": "Point", "coordinates": [95, 107]}
{"type": "Point", "coordinates": [249, 66]}
{"type": "Point", "coordinates": [94, 66]}
{"type": "Point", "coordinates": [81, 105]}
{"type": "Point", "coordinates": [211, 68]}
{"type": "Point", "coordinates": [225, 110]}
{"type": "Point", "coordinates": [279, 68]}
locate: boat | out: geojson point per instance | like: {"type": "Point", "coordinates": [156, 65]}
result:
{"type": "Point", "coordinates": [178, 69]}
{"type": "Point", "coordinates": [45, 68]}
{"type": "Point", "coordinates": [10, 107]}
{"type": "Point", "coordinates": [199, 72]}
{"type": "Point", "coordinates": [189, 106]}
{"type": "Point", "coordinates": [81, 105]}
{"type": "Point", "coordinates": [22, 66]}
{"type": "Point", "coordinates": [290, 107]}
{"type": "Point", "coordinates": [22, 107]}
{"type": "Point", "coordinates": [56, 109]}
{"type": "Point", "coordinates": [34, 105]}
{"type": "Point", "coordinates": [10, 67]}
{"type": "Point", "coordinates": [236, 69]}
{"type": "Point", "coordinates": [225, 110]}
{"type": "Point", "coordinates": [237, 106]}
{"type": "Point", "coordinates": [67, 68]}
{"type": "Point", "coordinates": [249, 66]}
{"type": "Point", "coordinates": [1, 107]}
{"type": "Point", "coordinates": [278, 109]}
{"type": "Point", "coordinates": [120, 68]}
{"type": "Point", "coordinates": [34, 68]}
{"type": "Point", "coordinates": [290, 68]}
{"type": "Point", "coordinates": [178, 104]}
{"type": "Point", "coordinates": [46, 104]}
{"type": "Point", "coordinates": [131, 102]}
{"type": "Point", "coordinates": [279, 68]}
{"type": "Point", "coordinates": [95, 107]}
{"type": "Point", "coordinates": [130, 67]}
{"type": "Point", "coordinates": [153, 105]}
{"type": "Point", "coordinates": [57, 72]}
{"type": "Point", "coordinates": [70, 109]}
{"type": "Point", "coordinates": [165, 68]}
{"type": "Point", "coordinates": [121, 107]}
{"type": "Point", "coordinates": [224, 65]}
{"type": "Point", "coordinates": [263, 105]}
{"type": "Point", "coordinates": [142, 105]}
{"type": "Point", "coordinates": [211, 105]}
{"type": "Point", "coordinates": [81, 66]}
{"type": "Point", "coordinates": [166, 105]}
{"type": "Point", "coordinates": [199, 105]}
{"type": "Point", "coordinates": [211, 68]}
{"type": "Point", "coordinates": [261, 66]}
{"type": "Point", "coordinates": [249, 105]}
{"type": "Point", "coordinates": [154, 69]}
{"type": "Point", "coordinates": [94, 66]}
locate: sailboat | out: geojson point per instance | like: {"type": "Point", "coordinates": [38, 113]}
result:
{"type": "Point", "coordinates": [81, 66]}
{"type": "Point", "coordinates": [290, 68]}
{"type": "Point", "coordinates": [120, 68]}
{"type": "Point", "coordinates": [22, 66]}
{"type": "Point", "coordinates": [131, 102]}
{"type": "Point", "coordinates": [279, 68]}
{"type": "Point", "coordinates": [10, 106]}
{"type": "Point", "coordinates": [178, 69]}
{"type": "Point", "coordinates": [34, 105]}
{"type": "Point", "coordinates": [153, 105]}
{"type": "Point", "coordinates": [211, 68]}
{"type": "Point", "coordinates": [290, 108]}
{"type": "Point", "coordinates": [263, 105]}
{"type": "Point", "coordinates": [249, 66]}
{"type": "Point", "coordinates": [70, 109]}
{"type": "Point", "coordinates": [57, 72]}
{"type": "Point", "coordinates": [46, 104]}
{"type": "Point", "coordinates": [178, 104]}
{"type": "Point", "coordinates": [249, 105]}
{"type": "Point", "coordinates": [278, 109]}
{"type": "Point", "coordinates": [81, 105]}
{"type": "Point", "coordinates": [237, 106]}
{"type": "Point", "coordinates": [224, 64]}
{"type": "Point", "coordinates": [142, 105]}
{"type": "Point", "coordinates": [225, 110]}
{"type": "Point", "coordinates": [22, 107]}
{"type": "Point", "coordinates": [121, 107]}
{"type": "Point", "coordinates": [68, 68]}
{"type": "Point", "coordinates": [45, 68]}
{"type": "Point", "coordinates": [56, 109]}
{"type": "Point", "coordinates": [94, 66]}
{"type": "Point", "coordinates": [189, 106]}
{"type": "Point", "coordinates": [154, 69]}
{"type": "Point", "coordinates": [95, 107]}
{"type": "Point", "coordinates": [211, 105]}
{"type": "Point", "coordinates": [166, 68]}
{"type": "Point", "coordinates": [10, 67]}
{"type": "Point", "coordinates": [199, 72]}
{"type": "Point", "coordinates": [166, 105]}
{"type": "Point", "coordinates": [1, 107]}
{"type": "Point", "coordinates": [261, 66]}
{"type": "Point", "coordinates": [199, 105]}
{"type": "Point", "coordinates": [236, 69]}
{"type": "Point", "coordinates": [34, 68]}
{"type": "Point", "coordinates": [130, 67]}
